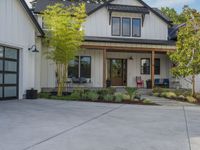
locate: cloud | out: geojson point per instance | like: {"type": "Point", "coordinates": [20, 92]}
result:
{"type": "Point", "coordinates": [169, 3]}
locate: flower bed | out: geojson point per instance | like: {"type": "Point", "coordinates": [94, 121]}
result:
{"type": "Point", "coordinates": [183, 95]}
{"type": "Point", "coordinates": [107, 95]}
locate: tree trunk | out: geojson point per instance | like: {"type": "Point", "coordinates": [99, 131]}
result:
{"type": "Point", "coordinates": [62, 77]}
{"type": "Point", "coordinates": [193, 86]}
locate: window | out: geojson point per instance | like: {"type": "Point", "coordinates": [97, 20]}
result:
{"type": "Point", "coordinates": [136, 27]}
{"type": "Point", "coordinates": [157, 66]}
{"type": "Point", "coordinates": [126, 27]}
{"type": "Point", "coordinates": [73, 68]}
{"type": "Point", "coordinates": [116, 26]}
{"type": "Point", "coordinates": [80, 67]}
{"type": "Point", "coordinates": [85, 62]}
{"type": "Point", "coordinates": [145, 66]}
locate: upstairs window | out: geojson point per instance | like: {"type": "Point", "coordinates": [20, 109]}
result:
{"type": "Point", "coordinates": [126, 27]}
{"type": "Point", "coordinates": [145, 66]}
{"type": "Point", "coordinates": [116, 26]}
{"type": "Point", "coordinates": [136, 27]}
{"type": "Point", "coordinates": [157, 66]}
{"type": "Point", "coordinates": [80, 67]}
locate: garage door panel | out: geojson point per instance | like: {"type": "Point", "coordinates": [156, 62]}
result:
{"type": "Point", "coordinates": [9, 60]}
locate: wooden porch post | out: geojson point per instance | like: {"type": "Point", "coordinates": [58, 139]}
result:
{"type": "Point", "coordinates": [104, 66]}
{"type": "Point", "coordinates": [152, 68]}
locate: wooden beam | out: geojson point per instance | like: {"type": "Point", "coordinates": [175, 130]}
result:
{"type": "Point", "coordinates": [152, 68]}
{"type": "Point", "coordinates": [126, 49]}
{"type": "Point", "coordinates": [104, 66]}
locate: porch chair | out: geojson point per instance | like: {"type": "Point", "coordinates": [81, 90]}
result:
{"type": "Point", "coordinates": [139, 82]}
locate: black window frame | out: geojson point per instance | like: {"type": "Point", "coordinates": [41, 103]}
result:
{"type": "Point", "coordinates": [79, 67]}
{"type": "Point", "coordinates": [119, 26]}
{"type": "Point", "coordinates": [129, 26]}
{"type": "Point", "coordinates": [90, 69]}
{"type": "Point", "coordinates": [4, 85]}
{"type": "Point", "coordinates": [141, 67]}
{"type": "Point", "coordinates": [157, 66]}
{"type": "Point", "coordinates": [133, 35]}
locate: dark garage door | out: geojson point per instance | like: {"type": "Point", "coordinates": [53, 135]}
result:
{"type": "Point", "coordinates": [9, 64]}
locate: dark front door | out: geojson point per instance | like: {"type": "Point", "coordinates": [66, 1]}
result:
{"type": "Point", "coordinates": [9, 60]}
{"type": "Point", "coordinates": [117, 72]}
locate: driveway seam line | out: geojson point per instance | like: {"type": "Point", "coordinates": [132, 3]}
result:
{"type": "Point", "coordinates": [187, 129]}
{"type": "Point", "coordinates": [74, 127]}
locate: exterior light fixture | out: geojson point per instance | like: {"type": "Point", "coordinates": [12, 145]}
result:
{"type": "Point", "coordinates": [33, 49]}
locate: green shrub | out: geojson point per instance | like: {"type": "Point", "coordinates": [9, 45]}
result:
{"type": "Point", "coordinates": [118, 97]}
{"type": "Point", "coordinates": [198, 96]}
{"type": "Point", "coordinates": [170, 95]}
{"type": "Point", "coordinates": [181, 97]}
{"type": "Point", "coordinates": [105, 91]}
{"type": "Point", "coordinates": [191, 99]}
{"type": "Point", "coordinates": [44, 95]}
{"type": "Point", "coordinates": [92, 96]}
{"type": "Point", "coordinates": [108, 97]}
{"type": "Point", "coordinates": [126, 97]}
{"type": "Point", "coordinates": [84, 96]}
{"type": "Point", "coordinates": [156, 94]}
{"type": "Point", "coordinates": [76, 95]}
{"type": "Point", "coordinates": [163, 94]}
{"type": "Point", "coordinates": [131, 92]}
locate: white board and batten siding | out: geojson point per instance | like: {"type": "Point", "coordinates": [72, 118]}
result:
{"type": "Point", "coordinates": [97, 24]}
{"type": "Point", "coordinates": [18, 31]}
{"type": "Point", "coordinates": [48, 72]}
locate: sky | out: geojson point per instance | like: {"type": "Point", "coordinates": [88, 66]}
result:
{"type": "Point", "coordinates": [177, 4]}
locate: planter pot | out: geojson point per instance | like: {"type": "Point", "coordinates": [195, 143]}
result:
{"type": "Point", "coordinates": [31, 94]}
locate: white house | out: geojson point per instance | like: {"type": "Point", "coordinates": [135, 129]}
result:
{"type": "Point", "coordinates": [125, 40]}
{"type": "Point", "coordinates": [19, 66]}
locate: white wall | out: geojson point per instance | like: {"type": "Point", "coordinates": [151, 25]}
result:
{"type": "Point", "coordinates": [18, 31]}
{"type": "Point", "coordinates": [187, 85]}
{"type": "Point", "coordinates": [48, 79]}
{"type": "Point", "coordinates": [97, 24]}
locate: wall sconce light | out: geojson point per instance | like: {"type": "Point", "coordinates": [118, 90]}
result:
{"type": "Point", "coordinates": [33, 49]}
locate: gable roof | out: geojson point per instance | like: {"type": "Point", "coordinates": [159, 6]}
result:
{"type": "Point", "coordinates": [32, 17]}
{"type": "Point", "coordinates": [92, 7]}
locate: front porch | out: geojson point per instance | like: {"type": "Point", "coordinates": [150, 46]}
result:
{"type": "Point", "coordinates": [100, 62]}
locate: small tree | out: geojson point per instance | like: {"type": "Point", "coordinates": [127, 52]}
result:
{"type": "Point", "coordinates": [64, 36]}
{"type": "Point", "coordinates": [187, 55]}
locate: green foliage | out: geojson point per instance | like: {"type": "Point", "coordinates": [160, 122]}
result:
{"type": "Point", "coordinates": [76, 95]}
{"type": "Point", "coordinates": [131, 92]}
{"type": "Point", "coordinates": [92, 95]}
{"type": "Point", "coordinates": [147, 101]}
{"type": "Point", "coordinates": [108, 98]}
{"type": "Point", "coordinates": [187, 55]}
{"type": "Point", "coordinates": [175, 17]}
{"type": "Point", "coordinates": [64, 36]}
{"type": "Point", "coordinates": [106, 91]}
{"type": "Point", "coordinates": [170, 95]}
{"type": "Point", "coordinates": [44, 95]}
{"type": "Point", "coordinates": [118, 97]}
{"type": "Point", "coordinates": [191, 99]}
{"type": "Point", "coordinates": [156, 94]}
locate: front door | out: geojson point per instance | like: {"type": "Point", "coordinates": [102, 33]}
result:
{"type": "Point", "coordinates": [118, 69]}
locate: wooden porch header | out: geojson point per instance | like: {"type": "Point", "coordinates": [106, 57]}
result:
{"type": "Point", "coordinates": [128, 47]}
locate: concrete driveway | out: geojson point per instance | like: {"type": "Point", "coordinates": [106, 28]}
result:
{"type": "Point", "coordinates": [59, 125]}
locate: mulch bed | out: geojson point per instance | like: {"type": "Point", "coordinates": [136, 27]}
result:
{"type": "Point", "coordinates": [134, 102]}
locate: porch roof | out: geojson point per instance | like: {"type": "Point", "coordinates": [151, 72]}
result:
{"type": "Point", "coordinates": [122, 45]}
{"type": "Point", "coordinates": [131, 40]}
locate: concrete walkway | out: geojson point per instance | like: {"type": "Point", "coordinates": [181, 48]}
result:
{"type": "Point", "coordinates": [167, 102]}
{"type": "Point", "coordinates": [60, 125]}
